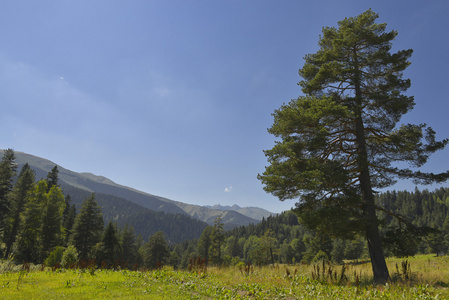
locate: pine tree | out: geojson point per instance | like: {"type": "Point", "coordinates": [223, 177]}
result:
{"type": "Point", "coordinates": [52, 178]}
{"type": "Point", "coordinates": [340, 140]}
{"type": "Point", "coordinates": [28, 239]}
{"type": "Point", "coordinates": [8, 169]}
{"type": "Point", "coordinates": [51, 232]}
{"type": "Point", "coordinates": [88, 227]}
{"type": "Point", "coordinates": [68, 218]}
{"type": "Point", "coordinates": [18, 198]}
{"type": "Point", "coordinates": [157, 251]}
{"type": "Point", "coordinates": [217, 239]}
{"type": "Point", "coordinates": [204, 243]}
{"type": "Point", "coordinates": [110, 245]}
{"type": "Point", "coordinates": [128, 245]}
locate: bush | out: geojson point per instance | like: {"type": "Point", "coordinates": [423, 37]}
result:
{"type": "Point", "coordinates": [69, 257]}
{"type": "Point", "coordinates": [55, 257]}
{"type": "Point", "coordinates": [320, 256]}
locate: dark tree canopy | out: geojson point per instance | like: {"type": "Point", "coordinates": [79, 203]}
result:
{"type": "Point", "coordinates": [342, 140]}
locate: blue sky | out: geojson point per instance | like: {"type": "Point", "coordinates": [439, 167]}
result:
{"type": "Point", "coordinates": [174, 97]}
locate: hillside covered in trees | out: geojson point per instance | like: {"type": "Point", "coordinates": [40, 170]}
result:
{"type": "Point", "coordinates": [79, 185]}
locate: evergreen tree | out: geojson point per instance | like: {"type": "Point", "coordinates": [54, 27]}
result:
{"type": "Point", "coordinates": [88, 227]}
{"type": "Point", "coordinates": [110, 246]}
{"type": "Point", "coordinates": [28, 239]}
{"type": "Point", "coordinates": [51, 232]}
{"type": "Point", "coordinates": [157, 251]}
{"type": "Point", "coordinates": [68, 218]}
{"type": "Point", "coordinates": [340, 140]}
{"type": "Point", "coordinates": [8, 169]}
{"type": "Point", "coordinates": [128, 245]}
{"type": "Point", "coordinates": [217, 239]}
{"type": "Point", "coordinates": [52, 178]}
{"type": "Point", "coordinates": [205, 242]}
{"type": "Point", "coordinates": [234, 247]}
{"type": "Point", "coordinates": [18, 199]}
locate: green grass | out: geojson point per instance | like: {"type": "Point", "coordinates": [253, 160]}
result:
{"type": "Point", "coordinates": [427, 278]}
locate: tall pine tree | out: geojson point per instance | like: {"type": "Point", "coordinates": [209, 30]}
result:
{"type": "Point", "coordinates": [340, 141]}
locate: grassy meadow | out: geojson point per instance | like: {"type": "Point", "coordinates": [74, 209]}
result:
{"type": "Point", "coordinates": [421, 277]}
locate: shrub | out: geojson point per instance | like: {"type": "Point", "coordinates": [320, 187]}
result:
{"type": "Point", "coordinates": [69, 257]}
{"type": "Point", "coordinates": [55, 257]}
{"type": "Point", "coordinates": [320, 256]}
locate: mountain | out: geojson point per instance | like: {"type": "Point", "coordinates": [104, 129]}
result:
{"type": "Point", "coordinates": [251, 212]}
{"type": "Point", "coordinates": [80, 183]}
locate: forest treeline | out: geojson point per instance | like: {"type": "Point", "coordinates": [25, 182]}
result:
{"type": "Point", "coordinates": [38, 224]}
{"type": "Point", "coordinates": [424, 228]}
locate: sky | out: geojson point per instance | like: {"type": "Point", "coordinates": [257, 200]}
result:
{"type": "Point", "coordinates": [174, 98]}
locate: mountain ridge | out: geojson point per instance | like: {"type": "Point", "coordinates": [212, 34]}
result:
{"type": "Point", "coordinates": [100, 184]}
{"type": "Point", "coordinates": [250, 211]}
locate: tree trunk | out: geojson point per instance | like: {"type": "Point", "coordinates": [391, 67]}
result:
{"type": "Point", "coordinates": [378, 264]}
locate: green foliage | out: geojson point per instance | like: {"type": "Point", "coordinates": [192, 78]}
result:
{"type": "Point", "coordinates": [69, 257]}
{"type": "Point", "coordinates": [55, 256]}
{"type": "Point", "coordinates": [51, 223]}
{"type": "Point", "coordinates": [18, 199]}
{"type": "Point", "coordinates": [52, 178]}
{"type": "Point", "coordinates": [217, 239]}
{"type": "Point", "coordinates": [129, 250]}
{"type": "Point", "coordinates": [205, 242]}
{"type": "Point", "coordinates": [320, 257]}
{"type": "Point", "coordinates": [28, 240]}
{"type": "Point", "coordinates": [68, 218]}
{"type": "Point", "coordinates": [8, 169]}
{"type": "Point", "coordinates": [341, 139]}
{"type": "Point", "coordinates": [401, 243]}
{"type": "Point", "coordinates": [88, 228]}
{"type": "Point", "coordinates": [157, 251]}
{"type": "Point", "coordinates": [109, 248]}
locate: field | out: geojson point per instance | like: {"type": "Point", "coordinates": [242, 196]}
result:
{"type": "Point", "coordinates": [422, 277]}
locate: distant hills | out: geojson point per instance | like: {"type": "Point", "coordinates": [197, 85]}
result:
{"type": "Point", "coordinates": [146, 212]}
{"type": "Point", "coordinates": [252, 212]}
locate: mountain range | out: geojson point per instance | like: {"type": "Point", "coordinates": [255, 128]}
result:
{"type": "Point", "coordinates": [147, 213]}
